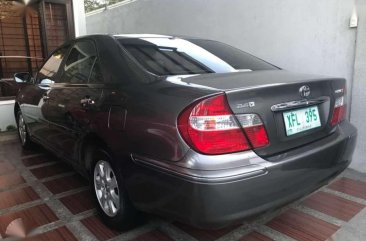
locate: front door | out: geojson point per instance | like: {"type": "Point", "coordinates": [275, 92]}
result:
{"type": "Point", "coordinates": [34, 101]}
{"type": "Point", "coordinates": [75, 98]}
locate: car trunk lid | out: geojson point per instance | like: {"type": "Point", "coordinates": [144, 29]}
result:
{"type": "Point", "coordinates": [270, 94]}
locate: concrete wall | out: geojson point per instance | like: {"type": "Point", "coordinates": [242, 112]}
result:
{"type": "Point", "coordinates": [306, 36]}
{"type": "Point", "coordinates": [79, 17]}
{"type": "Point", "coordinates": [358, 107]}
{"type": "Point", "coordinates": [7, 114]}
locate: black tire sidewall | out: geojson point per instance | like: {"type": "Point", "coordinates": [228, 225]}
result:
{"type": "Point", "coordinates": [28, 142]}
{"type": "Point", "coordinates": [127, 215]}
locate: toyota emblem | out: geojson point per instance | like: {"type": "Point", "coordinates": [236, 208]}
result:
{"type": "Point", "coordinates": [304, 91]}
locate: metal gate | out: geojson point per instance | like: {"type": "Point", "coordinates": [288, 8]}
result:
{"type": "Point", "coordinates": [29, 34]}
{"type": "Point", "coordinates": [19, 34]}
{"type": "Point", "coordinates": [56, 29]}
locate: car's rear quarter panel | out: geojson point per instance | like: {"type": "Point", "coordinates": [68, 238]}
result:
{"type": "Point", "coordinates": [151, 123]}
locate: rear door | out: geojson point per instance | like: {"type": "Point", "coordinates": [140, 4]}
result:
{"type": "Point", "coordinates": [74, 100]}
{"type": "Point", "coordinates": [34, 98]}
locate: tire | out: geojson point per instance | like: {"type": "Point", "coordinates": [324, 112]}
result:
{"type": "Point", "coordinates": [111, 198]}
{"type": "Point", "coordinates": [23, 133]}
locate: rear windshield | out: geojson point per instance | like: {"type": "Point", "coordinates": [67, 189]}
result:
{"type": "Point", "coordinates": [175, 56]}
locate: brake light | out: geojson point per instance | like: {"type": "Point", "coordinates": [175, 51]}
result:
{"type": "Point", "coordinates": [254, 129]}
{"type": "Point", "coordinates": [339, 112]}
{"type": "Point", "coordinates": [210, 127]}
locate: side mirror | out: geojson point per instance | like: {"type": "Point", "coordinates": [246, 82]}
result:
{"type": "Point", "coordinates": [23, 77]}
{"type": "Point", "coordinates": [45, 84]}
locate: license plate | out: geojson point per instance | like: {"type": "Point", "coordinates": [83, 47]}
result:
{"type": "Point", "coordinates": [301, 120]}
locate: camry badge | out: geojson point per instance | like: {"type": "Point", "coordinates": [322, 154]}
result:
{"type": "Point", "coordinates": [304, 91]}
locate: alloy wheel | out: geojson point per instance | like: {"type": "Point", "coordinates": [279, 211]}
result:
{"type": "Point", "coordinates": [106, 188]}
{"type": "Point", "coordinates": [22, 129]}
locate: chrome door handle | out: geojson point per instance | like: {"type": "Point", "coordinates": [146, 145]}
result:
{"type": "Point", "coordinates": [87, 102]}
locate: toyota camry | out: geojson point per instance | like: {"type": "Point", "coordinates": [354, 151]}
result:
{"type": "Point", "coordinates": [187, 128]}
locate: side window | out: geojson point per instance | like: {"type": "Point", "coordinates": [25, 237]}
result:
{"type": "Point", "coordinates": [51, 67]}
{"type": "Point", "coordinates": [79, 63]}
{"type": "Point", "coordinates": [96, 76]}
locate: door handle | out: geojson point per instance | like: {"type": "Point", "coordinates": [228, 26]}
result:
{"type": "Point", "coordinates": [87, 102]}
{"type": "Point", "coordinates": [45, 97]}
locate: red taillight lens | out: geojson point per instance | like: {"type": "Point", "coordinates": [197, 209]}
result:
{"type": "Point", "coordinates": [257, 136]}
{"type": "Point", "coordinates": [219, 142]}
{"type": "Point", "coordinates": [254, 129]}
{"type": "Point", "coordinates": [339, 112]}
{"type": "Point", "coordinates": [210, 127]}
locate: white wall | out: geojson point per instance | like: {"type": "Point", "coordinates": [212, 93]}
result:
{"type": "Point", "coordinates": [79, 17]}
{"type": "Point", "coordinates": [7, 114]}
{"type": "Point", "coordinates": [358, 107]}
{"type": "Point", "coordinates": [306, 36]}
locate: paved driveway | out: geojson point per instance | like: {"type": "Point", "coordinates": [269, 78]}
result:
{"type": "Point", "coordinates": [54, 203]}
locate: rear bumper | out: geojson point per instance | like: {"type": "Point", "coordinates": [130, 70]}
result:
{"type": "Point", "coordinates": [210, 200]}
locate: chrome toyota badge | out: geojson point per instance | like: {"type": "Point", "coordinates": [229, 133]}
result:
{"type": "Point", "coordinates": [304, 91]}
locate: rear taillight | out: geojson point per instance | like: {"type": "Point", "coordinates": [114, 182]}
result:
{"type": "Point", "coordinates": [210, 127]}
{"type": "Point", "coordinates": [254, 129]}
{"type": "Point", "coordinates": [339, 112]}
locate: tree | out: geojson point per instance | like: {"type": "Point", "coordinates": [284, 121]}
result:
{"type": "Point", "coordinates": [5, 7]}
{"type": "Point", "coordinates": [91, 5]}
{"type": "Point", "coordinates": [110, 2]}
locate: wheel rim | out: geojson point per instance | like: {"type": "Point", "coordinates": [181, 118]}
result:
{"type": "Point", "coordinates": [22, 129]}
{"type": "Point", "coordinates": [106, 188]}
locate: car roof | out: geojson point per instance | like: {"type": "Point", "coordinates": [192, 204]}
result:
{"type": "Point", "coordinates": [142, 36]}
{"type": "Point", "coordinates": [147, 35]}
{"type": "Point", "coordinates": [135, 36]}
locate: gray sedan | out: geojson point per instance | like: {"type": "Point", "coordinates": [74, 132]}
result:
{"type": "Point", "coordinates": [190, 129]}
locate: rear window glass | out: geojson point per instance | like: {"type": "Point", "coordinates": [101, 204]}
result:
{"type": "Point", "coordinates": [174, 56]}
{"type": "Point", "coordinates": [79, 63]}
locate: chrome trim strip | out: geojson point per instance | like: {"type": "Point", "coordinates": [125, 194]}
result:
{"type": "Point", "coordinates": [339, 91]}
{"type": "Point", "coordinates": [201, 176]}
{"type": "Point", "coordinates": [298, 103]}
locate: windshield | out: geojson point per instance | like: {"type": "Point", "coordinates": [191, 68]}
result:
{"type": "Point", "coordinates": [175, 56]}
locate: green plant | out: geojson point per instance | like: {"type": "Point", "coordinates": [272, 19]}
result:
{"type": "Point", "coordinates": [91, 5]}
{"type": "Point", "coordinates": [11, 128]}
{"type": "Point", "coordinates": [5, 7]}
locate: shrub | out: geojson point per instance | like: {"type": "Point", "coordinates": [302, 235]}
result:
{"type": "Point", "coordinates": [11, 128]}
